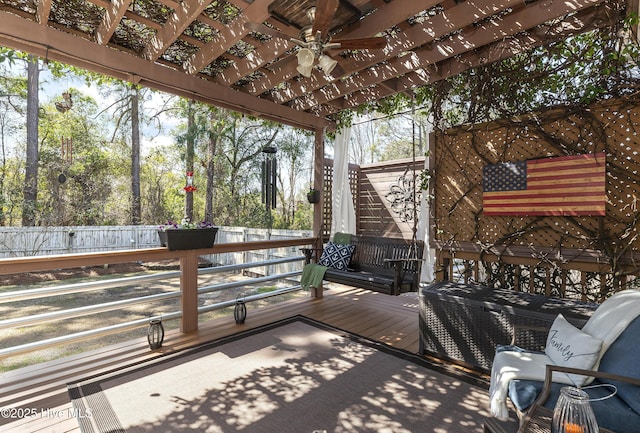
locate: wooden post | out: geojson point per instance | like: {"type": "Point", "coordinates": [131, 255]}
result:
{"type": "Point", "coordinates": [189, 289]}
{"type": "Point", "coordinates": [318, 208]}
{"type": "Point", "coordinates": [318, 183]}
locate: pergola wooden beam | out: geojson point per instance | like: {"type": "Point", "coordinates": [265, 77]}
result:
{"type": "Point", "coordinates": [524, 20]}
{"type": "Point", "coordinates": [43, 11]}
{"type": "Point", "coordinates": [113, 15]}
{"type": "Point", "coordinates": [369, 26]}
{"type": "Point", "coordinates": [501, 49]}
{"type": "Point", "coordinates": [459, 16]}
{"type": "Point", "coordinates": [119, 64]}
{"type": "Point", "coordinates": [184, 13]}
{"type": "Point", "coordinates": [236, 30]}
{"type": "Point", "coordinates": [223, 63]}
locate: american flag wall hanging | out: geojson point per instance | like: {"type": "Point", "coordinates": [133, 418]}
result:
{"type": "Point", "coordinates": [562, 186]}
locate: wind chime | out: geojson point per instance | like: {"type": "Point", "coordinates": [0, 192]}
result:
{"type": "Point", "coordinates": [66, 153]}
{"type": "Point", "coordinates": [269, 176]}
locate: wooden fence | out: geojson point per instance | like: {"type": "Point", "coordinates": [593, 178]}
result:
{"type": "Point", "coordinates": [42, 241]}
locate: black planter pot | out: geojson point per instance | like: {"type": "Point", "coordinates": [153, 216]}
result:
{"type": "Point", "coordinates": [313, 196]}
{"type": "Point", "coordinates": [188, 239]}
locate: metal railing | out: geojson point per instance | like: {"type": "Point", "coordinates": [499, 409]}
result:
{"type": "Point", "coordinates": [185, 256]}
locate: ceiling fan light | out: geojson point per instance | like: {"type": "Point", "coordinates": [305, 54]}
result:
{"type": "Point", "coordinates": [305, 70]}
{"type": "Point", "coordinates": [305, 57]}
{"type": "Point", "coordinates": [327, 63]}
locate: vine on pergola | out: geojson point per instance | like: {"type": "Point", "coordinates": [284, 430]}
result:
{"type": "Point", "coordinates": [570, 73]}
{"type": "Point", "coordinates": [600, 64]}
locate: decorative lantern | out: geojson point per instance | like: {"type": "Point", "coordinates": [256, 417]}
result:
{"type": "Point", "coordinates": [240, 311]}
{"type": "Point", "coordinates": [155, 334]}
{"type": "Point", "coordinates": [573, 413]}
{"type": "Point", "coordinates": [190, 187]}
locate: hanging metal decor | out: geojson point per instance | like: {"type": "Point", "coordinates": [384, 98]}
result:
{"type": "Point", "coordinates": [66, 104]}
{"type": "Point", "coordinates": [240, 311]}
{"type": "Point", "coordinates": [403, 197]}
{"type": "Point", "coordinates": [269, 177]}
{"type": "Point", "coordinates": [155, 334]}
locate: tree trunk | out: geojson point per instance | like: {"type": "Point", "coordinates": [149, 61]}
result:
{"type": "Point", "coordinates": [30, 188]}
{"type": "Point", "coordinates": [211, 161]}
{"type": "Point", "coordinates": [3, 170]}
{"type": "Point", "coordinates": [136, 206]}
{"type": "Point", "coordinates": [188, 200]}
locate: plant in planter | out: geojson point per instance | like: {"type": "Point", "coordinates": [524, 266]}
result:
{"type": "Point", "coordinates": [187, 235]}
{"type": "Point", "coordinates": [313, 196]}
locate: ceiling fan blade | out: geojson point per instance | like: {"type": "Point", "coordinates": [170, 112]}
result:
{"type": "Point", "coordinates": [261, 28]}
{"type": "Point", "coordinates": [362, 43]}
{"type": "Point", "coordinates": [325, 11]}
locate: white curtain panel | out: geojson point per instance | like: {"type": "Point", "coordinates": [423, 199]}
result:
{"type": "Point", "coordinates": [343, 213]}
{"type": "Point", "coordinates": [426, 273]}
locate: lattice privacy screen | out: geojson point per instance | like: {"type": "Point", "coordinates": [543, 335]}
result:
{"type": "Point", "coordinates": [375, 189]}
{"type": "Point", "coordinates": [460, 154]}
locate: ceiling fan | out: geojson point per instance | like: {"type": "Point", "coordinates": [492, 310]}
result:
{"type": "Point", "coordinates": [314, 40]}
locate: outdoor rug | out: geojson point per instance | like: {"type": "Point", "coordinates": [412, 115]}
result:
{"type": "Point", "coordinates": [295, 375]}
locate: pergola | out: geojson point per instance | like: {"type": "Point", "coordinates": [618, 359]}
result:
{"type": "Point", "coordinates": [239, 54]}
{"type": "Point", "coordinates": [245, 55]}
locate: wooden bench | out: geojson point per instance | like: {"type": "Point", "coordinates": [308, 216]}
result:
{"type": "Point", "coordinates": [385, 265]}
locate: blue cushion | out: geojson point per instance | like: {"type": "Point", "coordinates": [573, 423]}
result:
{"type": "Point", "coordinates": [336, 256]}
{"type": "Point", "coordinates": [612, 413]}
{"type": "Point", "coordinates": [623, 357]}
{"type": "Point", "coordinates": [524, 392]}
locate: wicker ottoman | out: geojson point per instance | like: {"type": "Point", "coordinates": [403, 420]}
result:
{"type": "Point", "coordinates": [465, 322]}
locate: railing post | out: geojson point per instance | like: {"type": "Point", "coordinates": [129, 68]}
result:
{"type": "Point", "coordinates": [189, 290]}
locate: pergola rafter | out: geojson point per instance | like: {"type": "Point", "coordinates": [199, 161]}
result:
{"type": "Point", "coordinates": [207, 50]}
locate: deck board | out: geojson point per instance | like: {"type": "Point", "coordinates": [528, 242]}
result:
{"type": "Point", "coordinates": [390, 319]}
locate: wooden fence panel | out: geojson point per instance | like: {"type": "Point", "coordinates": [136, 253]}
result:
{"type": "Point", "coordinates": [381, 197]}
{"type": "Point", "coordinates": [37, 241]}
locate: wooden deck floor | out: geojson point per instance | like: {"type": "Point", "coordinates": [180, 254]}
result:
{"type": "Point", "coordinates": [41, 390]}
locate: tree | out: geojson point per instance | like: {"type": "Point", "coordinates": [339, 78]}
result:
{"type": "Point", "coordinates": [79, 170]}
{"type": "Point", "coordinates": [13, 96]}
{"type": "Point", "coordinates": [189, 157]}
{"type": "Point", "coordinates": [30, 189]}
{"type": "Point", "coordinates": [366, 142]}
{"type": "Point", "coordinates": [218, 129]}
{"type": "Point", "coordinates": [136, 200]}
{"type": "Point", "coordinates": [191, 140]}
{"type": "Point", "coordinates": [160, 178]}
{"type": "Point", "coordinates": [243, 150]}
{"type": "Point", "coordinates": [129, 115]}
{"type": "Point", "coordinates": [294, 146]}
